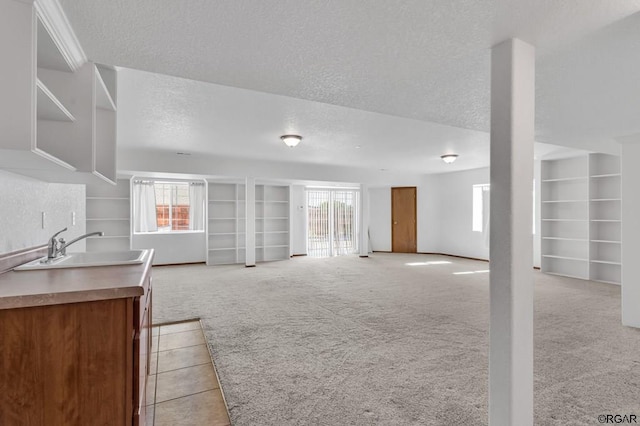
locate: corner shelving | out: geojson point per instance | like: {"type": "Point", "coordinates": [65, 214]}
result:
{"type": "Point", "coordinates": [109, 211]}
{"type": "Point", "coordinates": [581, 219]}
{"type": "Point", "coordinates": [226, 223]}
{"type": "Point", "coordinates": [272, 222]}
{"type": "Point", "coordinates": [59, 119]}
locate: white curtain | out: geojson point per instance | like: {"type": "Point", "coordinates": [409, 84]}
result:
{"type": "Point", "coordinates": [196, 206]}
{"type": "Point", "coordinates": [144, 207]}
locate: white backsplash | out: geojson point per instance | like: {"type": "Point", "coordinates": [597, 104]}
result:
{"type": "Point", "coordinates": [22, 201]}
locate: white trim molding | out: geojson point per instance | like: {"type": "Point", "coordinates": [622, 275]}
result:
{"type": "Point", "coordinates": [55, 21]}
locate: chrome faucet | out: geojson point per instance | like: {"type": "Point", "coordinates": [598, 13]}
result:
{"type": "Point", "coordinates": [56, 248]}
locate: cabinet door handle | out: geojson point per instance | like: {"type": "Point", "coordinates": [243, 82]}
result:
{"type": "Point", "coordinates": [395, 223]}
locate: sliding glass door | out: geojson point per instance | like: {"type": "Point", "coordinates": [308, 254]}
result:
{"type": "Point", "coordinates": [332, 222]}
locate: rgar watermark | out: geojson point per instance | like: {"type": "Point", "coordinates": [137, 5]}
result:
{"type": "Point", "coordinates": [618, 418]}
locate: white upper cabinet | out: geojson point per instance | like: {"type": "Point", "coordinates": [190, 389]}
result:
{"type": "Point", "coordinates": [57, 111]}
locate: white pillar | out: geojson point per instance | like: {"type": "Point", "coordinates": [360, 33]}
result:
{"type": "Point", "coordinates": [511, 252]}
{"type": "Point", "coordinates": [630, 235]}
{"type": "Point", "coordinates": [250, 224]}
{"type": "Point", "coordinates": [364, 221]}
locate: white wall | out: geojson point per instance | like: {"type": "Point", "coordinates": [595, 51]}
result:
{"type": "Point", "coordinates": [22, 202]}
{"type": "Point", "coordinates": [298, 202]}
{"type": "Point", "coordinates": [630, 232]}
{"type": "Point", "coordinates": [445, 210]}
{"type": "Point", "coordinates": [454, 201]}
{"type": "Point", "coordinates": [175, 247]}
{"type": "Point", "coordinates": [428, 208]}
{"type": "Point", "coordinates": [380, 219]}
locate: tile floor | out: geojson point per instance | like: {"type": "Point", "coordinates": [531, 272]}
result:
{"type": "Point", "coordinates": [183, 388]}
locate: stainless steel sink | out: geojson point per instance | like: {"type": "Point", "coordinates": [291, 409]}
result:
{"type": "Point", "coordinates": [87, 259]}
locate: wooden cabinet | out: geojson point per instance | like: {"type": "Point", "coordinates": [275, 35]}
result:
{"type": "Point", "coordinates": [76, 364]}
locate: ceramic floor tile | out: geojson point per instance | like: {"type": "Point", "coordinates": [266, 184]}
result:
{"type": "Point", "coordinates": [183, 357]}
{"type": "Point", "coordinates": [206, 408]}
{"type": "Point", "coordinates": [180, 327]}
{"type": "Point", "coordinates": [151, 389]}
{"type": "Point", "coordinates": [155, 330]}
{"type": "Point", "coordinates": [150, 413]}
{"type": "Point", "coordinates": [181, 340]}
{"type": "Point", "coordinates": [185, 381]}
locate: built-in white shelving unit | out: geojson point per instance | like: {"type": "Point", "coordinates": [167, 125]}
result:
{"type": "Point", "coordinates": [272, 223]}
{"type": "Point", "coordinates": [226, 223]}
{"type": "Point", "coordinates": [581, 217]}
{"type": "Point", "coordinates": [604, 211]}
{"type": "Point", "coordinates": [57, 110]}
{"type": "Point", "coordinates": [109, 211]}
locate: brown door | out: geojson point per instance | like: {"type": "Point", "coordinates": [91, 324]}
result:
{"type": "Point", "coordinates": [403, 220]}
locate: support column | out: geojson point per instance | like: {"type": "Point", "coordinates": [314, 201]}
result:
{"type": "Point", "coordinates": [630, 235]}
{"type": "Point", "coordinates": [511, 252]}
{"type": "Point", "coordinates": [363, 243]}
{"type": "Point", "coordinates": [250, 222]}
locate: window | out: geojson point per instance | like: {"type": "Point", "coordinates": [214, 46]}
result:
{"type": "Point", "coordinates": [168, 206]}
{"type": "Point", "coordinates": [481, 194]}
{"type": "Point", "coordinates": [480, 207]}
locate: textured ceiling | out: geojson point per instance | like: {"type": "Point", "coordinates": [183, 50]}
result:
{"type": "Point", "coordinates": [424, 60]}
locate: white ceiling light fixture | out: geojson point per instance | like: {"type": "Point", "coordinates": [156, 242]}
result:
{"type": "Point", "coordinates": [291, 140]}
{"type": "Point", "coordinates": [449, 158]}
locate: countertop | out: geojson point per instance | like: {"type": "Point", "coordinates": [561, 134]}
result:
{"type": "Point", "coordinates": [24, 289]}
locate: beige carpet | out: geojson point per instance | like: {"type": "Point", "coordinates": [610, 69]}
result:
{"type": "Point", "coordinates": [350, 341]}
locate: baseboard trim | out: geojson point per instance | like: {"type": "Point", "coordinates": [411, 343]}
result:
{"type": "Point", "coordinates": [458, 256]}
{"type": "Point", "coordinates": [298, 255]}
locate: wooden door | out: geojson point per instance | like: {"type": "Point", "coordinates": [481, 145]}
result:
{"type": "Point", "coordinates": [403, 220]}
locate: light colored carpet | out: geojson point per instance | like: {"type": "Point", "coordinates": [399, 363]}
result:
{"type": "Point", "coordinates": [350, 341]}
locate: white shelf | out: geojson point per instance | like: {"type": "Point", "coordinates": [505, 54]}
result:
{"type": "Point", "coordinates": [605, 262]}
{"type": "Point", "coordinates": [225, 219]}
{"type": "Point", "coordinates": [113, 201]}
{"type": "Point", "coordinates": [594, 177]}
{"type": "Point", "coordinates": [567, 179]}
{"type": "Point", "coordinates": [49, 107]}
{"type": "Point", "coordinates": [606, 175]}
{"type": "Point", "coordinates": [577, 259]}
